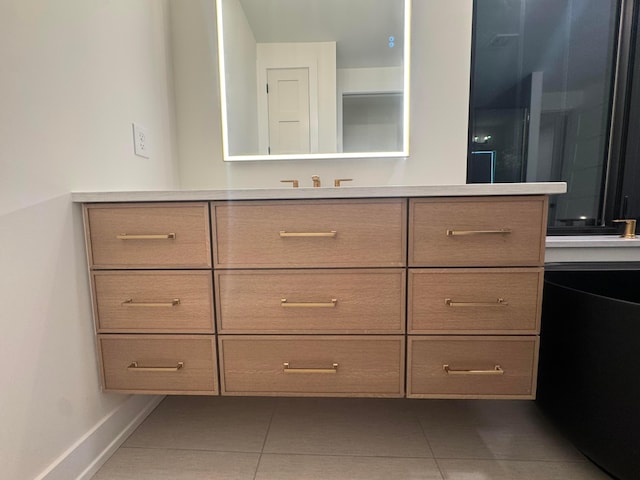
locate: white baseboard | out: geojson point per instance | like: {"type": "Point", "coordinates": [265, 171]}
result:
{"type": "Point", "coordinates": [85, 457]}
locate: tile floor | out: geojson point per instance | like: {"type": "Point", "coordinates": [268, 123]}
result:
{"type": "Point", "coordinates": [194, 438]}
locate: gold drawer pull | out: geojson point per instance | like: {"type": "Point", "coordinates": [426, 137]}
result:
{"type": "Point", "coordinates": [502, 231]}
{"type": "Point", "coordinates": [133, 366]}
{"type": "Point", "coordinates": [284, 234]}
{"type": "Point", "coordinates": [165, 236]}
{"type": "Point", "coordinates": [129, 303]}
{"type": "Point", "coordinates": [497, 370]}
{"type": "Point", "coordinates": [498, 303]}
{"type": "Point", "coordinates": [288, 369]}
{"type": "Point", "coordinates": [331, 304]}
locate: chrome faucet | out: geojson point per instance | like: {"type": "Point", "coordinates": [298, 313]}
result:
{"type": "Point", "coordinates": [316, 180]}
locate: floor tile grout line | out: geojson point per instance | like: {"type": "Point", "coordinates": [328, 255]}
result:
{"type": "Point", "coordinates": [266, 435]}
{"type": "Point", "coordinates": [426, 439]}
{"type": "Point", "coordinates": [439, 468]}
{"type": "Point", "coordinates": [351, 455]}
{"type": "Point", "coordinates": [424, 434]}
{"type": "Point", "coordinates": [521, 460]}
{"type": "Point", "coordinates": [178, 449]}
{"type": "Point", "coordinates": [311, 454]}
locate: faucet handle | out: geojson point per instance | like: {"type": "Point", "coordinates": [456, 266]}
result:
{"type": "Point", "coordinates": [294, 182]}
{"type": "Point", "coordinates": [336, 182]}
{"type": "Point", "coordinates": [630, 228]}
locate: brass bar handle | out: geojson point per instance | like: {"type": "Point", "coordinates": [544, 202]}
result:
{"type": "Point", "coordinates": [133, 366]}
{"type": "Point", "coordinates": [288, 369]}
{"type": "Point", "coordinates": [284, 234]}
{"type": "Point", "coordinates": [498, 303]}
{"type": "Point", "coordinates": [331, 304]}
{"type": "Point", "coordinates": [164, 236]}
{"type": "Point", "coordinates": [455, 233]}
{"type": "Point", "coordinates": [130, 303]}
{"type": "Point", "coordinates": [497, 370]}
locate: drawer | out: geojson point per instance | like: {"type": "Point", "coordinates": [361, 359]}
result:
{"type": "Point", "coordinates": [477, 231]}
{"type": "Point", "coordinates": [310, 301]}
{"type": "Point", "coordinates": [480, 300]}
{"type": "Point", "coordinates": [147, 235]}
{"type": "Point", "coordinates": [153, 301]}
{"type": "Point", "coordinates": [365, 366]}
{"type": "Point", "coordinates": [159, 364]}
{"type": "Point", "coordinates": [311, 233]}
{"type": "Point", "coordinates": [478, 367]}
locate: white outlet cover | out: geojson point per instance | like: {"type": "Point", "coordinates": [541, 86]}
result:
{"type": "Point", "coordinates": [141, 141]}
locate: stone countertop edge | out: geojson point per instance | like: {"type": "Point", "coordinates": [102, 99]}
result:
{"type": "Point", "coordinates": [478, 189]}
{"type": "Point", "coordinates": [591, 241]}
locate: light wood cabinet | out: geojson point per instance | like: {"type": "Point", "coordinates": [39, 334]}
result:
{"type": "Point", "coordinates": [475, 300]}
{"type": "Point", "coordinates": [355, 365]}
{"type": "Point", "coordinates": [310, 233]}
{"type": "Point", "coordinates": [472, 366]}
{"type": "Point", "coordinates": [477, 231]}
{"type": "Point", "coordinates": [158, 301]}
{"type": "Point", "coordinates": [150, 235]}
{"type": "Point", "coordinates": [467, 304]}
{"type": "Point", "coordinates": [311, 273]}
{"type": "Point", "coordinates": [150, 269]}
{"type": "Point", "coordinates": [168, 364]}
{"type": "Point", "coordinates": [319, 297]}
{"type": "Point", "coordinates": [347, 301]}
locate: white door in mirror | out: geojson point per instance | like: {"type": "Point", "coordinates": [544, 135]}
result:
{"type": "Point", "coordinates": [288, 98]}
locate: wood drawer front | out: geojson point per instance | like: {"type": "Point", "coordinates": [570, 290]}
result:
{"type": "Point", "coordinates": [316, 301]}
{"type": "Point", "coordinates": [368, 233]}
{"type": "Point", "coordinates": [473, 224]}
{"type": "Point", "coordinates": [189, 222]}
{"type": "Point", "coordinates": [480, 300]}
{"type": "Point", "coordinates": [366, 365]}
{"type": "Point", "coordinates": [153, 301]}
{"type": "Point", "coordinates": [516, 356]}
{"type": "Point", "coordinates": [196, 376]}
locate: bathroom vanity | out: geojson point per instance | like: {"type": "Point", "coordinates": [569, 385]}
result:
{"type": "Point", "coordinates": [423, 292]}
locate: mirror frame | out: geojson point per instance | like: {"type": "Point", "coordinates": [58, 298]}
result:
{"type": "Point", "coordinates": [307, 156]}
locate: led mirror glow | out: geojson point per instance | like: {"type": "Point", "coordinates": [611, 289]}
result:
{"type": "Point", "coordinates": [302, 79]}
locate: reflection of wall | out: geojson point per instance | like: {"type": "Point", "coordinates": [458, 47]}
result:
{"type": "Point", "coordinates": [75, 74]}
{"type": "Point", "coordinates": [368, 80]}
{"type": "Point", "coordinates": [440, 72]}
{"type": "Point", "coordinates": [320, 58]}
{"type": "Point", "coordinates": [372, 122]}
{"type": "Point", "coordinates": [240, 75]}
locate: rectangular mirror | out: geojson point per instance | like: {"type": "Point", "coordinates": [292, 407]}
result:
{"type": "Point", "coordinates": [314, 78]}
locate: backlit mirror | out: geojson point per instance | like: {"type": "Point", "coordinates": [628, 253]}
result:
{"type": "Point", "coordinates": [314, 78]}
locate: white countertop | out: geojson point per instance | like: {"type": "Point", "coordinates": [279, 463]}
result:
{"type": "Point", "coordinates": [592, 248]}
{"type": "Point", "coordinates": [323, 192]}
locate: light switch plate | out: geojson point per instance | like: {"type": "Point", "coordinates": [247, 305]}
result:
{"type": "Point", "coordinates": [141, 142]}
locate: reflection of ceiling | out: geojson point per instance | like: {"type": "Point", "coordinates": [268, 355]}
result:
{"type": "Point", "coordinates": [361, 28]}
{"type": "Point", "coordinates": [565, 39]}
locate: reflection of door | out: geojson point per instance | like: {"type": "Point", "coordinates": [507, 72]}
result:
{"type": "Point", "coordinates": [288, 97]}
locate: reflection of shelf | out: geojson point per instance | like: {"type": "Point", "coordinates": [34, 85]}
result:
{"type": "Point", "coordinates": [372, 122]}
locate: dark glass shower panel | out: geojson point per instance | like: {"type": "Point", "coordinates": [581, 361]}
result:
{"type": "Point", "coordinates": [542, 95]}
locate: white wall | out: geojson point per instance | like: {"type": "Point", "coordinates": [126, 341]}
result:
{"type": "Point", "coordinates": [75, 74]}
{"type": "Point", "coordinates": [440, 63]}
